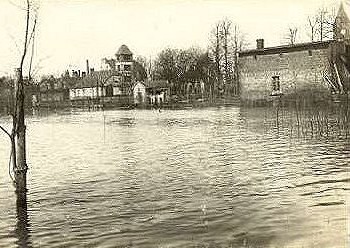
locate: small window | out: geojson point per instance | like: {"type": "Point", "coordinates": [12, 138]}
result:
{"type": "Point", "coordinates": [310, 52]}
{"type": "Point", "coordinates": [127, 67]}
{"type": "Point", "coordinates": [275, 83]}
{"type": "Point", "coordinates": [276, 90]}
{"type": "Point", "coordinates": [255, 57]}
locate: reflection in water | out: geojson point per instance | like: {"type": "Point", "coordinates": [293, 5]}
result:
{"type": "Point", "coordinates": [22, 230]}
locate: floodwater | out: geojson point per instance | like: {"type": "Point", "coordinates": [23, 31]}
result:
{"type": "Point", "coordinates": [216, 177]}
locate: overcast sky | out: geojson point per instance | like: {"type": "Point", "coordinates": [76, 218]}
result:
{"type": "Point", "coordinates": [71, 31]}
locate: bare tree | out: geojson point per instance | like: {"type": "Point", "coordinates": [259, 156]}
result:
{"type": "Point", "coordinates": [292, 35]}
{"type": "Point", "coordinates": [216, 50]}
{"type": "Point", "coordinates": [18, 133]}
{"type": "Point", "coordinates": [321, 24]}
{"type": "Point", "coordinates": [312, 22]}
{"type": "Point", "coordinates": [226, 42]}
{"type": "Point", "coordinates": [325, 23]}
{"type": "Point", "coordinates": [110, 62]}
{"type": "Point", "coordinates": [238, 45]}
{"type": "Point", "coordinates": [227, 52]}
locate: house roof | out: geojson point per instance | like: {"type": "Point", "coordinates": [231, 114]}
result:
{"type": "Point", "coordinates": [123, 50]}
{"type": "Point", "coordinates": [157, 84]}
{"type": "Point", "coordinates": [287, 48]}
{"type": "Point", "coordinates": [91, 80]}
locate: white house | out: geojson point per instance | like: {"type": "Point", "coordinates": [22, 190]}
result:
{"type": "Point", "coordinates": [86, 92]}
{"type": "Point", "coordinates": [139, 92]}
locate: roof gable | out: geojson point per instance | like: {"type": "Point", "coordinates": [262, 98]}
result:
{"type": "Point", "coordinates": [344, 11]}
{"type": "Point", "coordinates": [123, 50]}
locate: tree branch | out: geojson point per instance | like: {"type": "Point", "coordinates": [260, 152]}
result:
{"type": "Point", "coordinates": [26, 35]}
{"type": "Point", "coordinates": [6, 132]}
{"type": "Point", "coordinates": [32, 37]}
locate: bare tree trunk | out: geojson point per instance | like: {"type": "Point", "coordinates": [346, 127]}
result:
{"type": "Point", "coordinates": [226, 59]}
{"type": "Point", "coordinates": [19, 127]}
{"type": "Point", "coordinates": [18, 133]}
{"type": "Point", "coordinates": [20, 169]}
{"type": "Point", "coordinates": [321, 25]}
{"type": "Point", "coordinates": [236, 73]}
{"type": "Point", "coordinates": [217, 52]}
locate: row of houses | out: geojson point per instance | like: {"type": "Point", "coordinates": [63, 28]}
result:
{"type": "Point", "coordinates": [265, 73]}
{"type": "Point", "coordinates": [123, 83]}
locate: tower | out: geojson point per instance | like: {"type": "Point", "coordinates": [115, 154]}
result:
{"type": "Point", "coordinates": [124, 62]}
{"type": "Point", "coordinates": [342, 23]}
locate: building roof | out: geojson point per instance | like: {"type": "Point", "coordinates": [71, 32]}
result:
{"type": "Point", "coordinates": [123, 50]}
{"type": "Point", "coordinates": [91, 80]}
{"type": "Point", "coordinates": [344, 9]}
{"type": "Point", "coordinates": [287, 48]}
{"type": "Point", "coordinates": [157, 84]}
{"type": "Point", "coordinates": [342, 21]}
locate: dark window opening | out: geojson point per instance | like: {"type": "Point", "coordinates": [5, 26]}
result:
{"type": "Point", "coordinates": [275, 84]}
{"type": "Point", "coordinates": [127, 67]}
{"type": "Point", "coordinates": [310, 53]}
{"type": "Point", "coordinates": [255, 57]}
{"type": "Point", "coordinates": [109, 90]}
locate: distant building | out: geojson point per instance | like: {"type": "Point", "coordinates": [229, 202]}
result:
{"type": "Point", "coordinates": [323, 66]}
{"type": "Point", "coordinates": [124, 63]}
{"type": "Point", "coordinates": [157, 91]}
{"type": "Point", "coordinates": [139, 92]}
{"type": "Point", "coordinates": [53, 90]}
{"type": "Point", "coordinates": [112, 86]}
{"type": "Point", "coordinates": [90, 86]}
{"type": "Point", "coordinates": [342, 23]}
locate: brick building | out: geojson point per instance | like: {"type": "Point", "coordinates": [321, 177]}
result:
{"type": "Point", "coordinates": [268, 72]}
{"type": "Point", "coordinates": [306, 68]}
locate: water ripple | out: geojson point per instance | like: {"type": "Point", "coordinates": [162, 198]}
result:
{"type": "Point", "coordinates": [195, 178]}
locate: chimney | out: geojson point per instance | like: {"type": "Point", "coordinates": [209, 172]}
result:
{"type": "Point", "coordinates": [78, 73]}
{"type": "Point", "coordinates": [18, 73]}
{"type": "Point", "coordinates": [83, 74]}
{"type": "Point", "coordinates": [87, 67]}
{"type": "Point", "coordinates": [260, 44]}
{"type": "Point", "coordinates": [92, 70]}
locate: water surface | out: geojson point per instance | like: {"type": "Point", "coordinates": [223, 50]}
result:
{"type": "Point", "coordinates": [217, 177]}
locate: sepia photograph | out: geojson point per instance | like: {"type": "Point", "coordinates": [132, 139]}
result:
{"type": "Point", "coordinates": [175, 123]}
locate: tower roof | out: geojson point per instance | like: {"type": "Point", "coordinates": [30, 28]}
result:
{"type": "Point", "coordinates": [123, 50]}
{"type": "Point", "coordinates": [344, 10]}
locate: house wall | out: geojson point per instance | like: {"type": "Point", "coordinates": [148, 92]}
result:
{"type": "Point", "coordinates": [139, 90]}
{"type": "Point", "coordinates": [52, 96]}
{"type": "Point", "coordinates": [89, 92]}
{"type": "Point", "coordinates": [297, 71]}
{"type": "Point", "coordinates": [117, 91]}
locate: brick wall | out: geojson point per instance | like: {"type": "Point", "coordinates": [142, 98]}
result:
{"type": "Point", "coordinates": [297, 71]}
